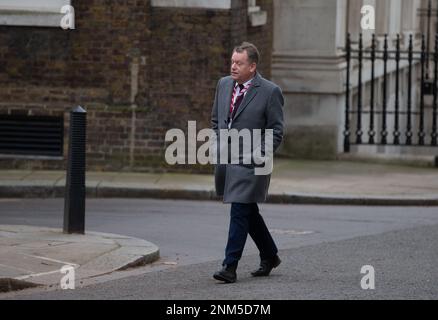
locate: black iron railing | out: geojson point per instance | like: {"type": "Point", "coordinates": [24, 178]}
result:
{"type": "Point", "coordinates": [400, 131]}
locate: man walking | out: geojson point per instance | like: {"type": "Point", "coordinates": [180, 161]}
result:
{"type": "Point", "coordinates": [245, 100]}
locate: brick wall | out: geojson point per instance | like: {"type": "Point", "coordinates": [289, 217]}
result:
{"type": "Point", "coordinates": [180, 54]}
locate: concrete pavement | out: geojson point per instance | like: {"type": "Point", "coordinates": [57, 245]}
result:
{"type": "Point", "coordinates": [303, 182]}
{"type": "Point", "coordinates": [32, 256]}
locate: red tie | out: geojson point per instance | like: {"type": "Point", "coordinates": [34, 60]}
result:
{"type": "Point", "coordinates": [238, 101]}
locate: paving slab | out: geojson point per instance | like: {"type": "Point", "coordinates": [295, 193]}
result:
{"type": "Point", "coordinates": [36, 255]}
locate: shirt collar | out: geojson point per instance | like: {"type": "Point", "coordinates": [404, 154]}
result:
{"type": "Point", "coordinates": [245, 84]}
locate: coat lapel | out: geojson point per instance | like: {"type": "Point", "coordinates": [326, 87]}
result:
{"type": "Point", "coordinates": [252, 92]}
{"type": "Point", "coordinates": [228, 94]}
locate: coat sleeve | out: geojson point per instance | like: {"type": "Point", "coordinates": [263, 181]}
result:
{"type": "Point", "coordinates": [214, 111]}
{"type": "Point", "coordinates": [219, 171]}
{"type": "Point", "coordinates": [274, 116]}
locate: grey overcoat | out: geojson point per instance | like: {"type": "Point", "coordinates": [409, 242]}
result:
{"type": "Point", "coordinates": [261, 108]}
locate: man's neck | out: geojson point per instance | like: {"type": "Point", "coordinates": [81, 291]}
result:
{"type": "Point", "coordinates": [245, 81]}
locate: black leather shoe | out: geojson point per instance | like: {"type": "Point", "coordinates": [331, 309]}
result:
{"type": "Point", "coordinates": [266, 267]}
{"type": "Point", "coordinates": [227, 274]}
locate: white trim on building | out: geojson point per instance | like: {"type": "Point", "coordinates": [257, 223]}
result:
{"type": "Point", "coordinates": [209, 4]}
{"type": "Point", "coordinates": [41, 13]}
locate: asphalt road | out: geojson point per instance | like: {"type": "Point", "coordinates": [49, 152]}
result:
{"type": "Point", "coordinates": [322, 247]}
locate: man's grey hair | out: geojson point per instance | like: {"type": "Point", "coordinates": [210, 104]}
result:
{"type": "Point", "coordinates": [251, 50]}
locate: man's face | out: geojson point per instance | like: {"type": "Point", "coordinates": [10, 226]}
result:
{"type": "Point", "coordinates": [241, 69]}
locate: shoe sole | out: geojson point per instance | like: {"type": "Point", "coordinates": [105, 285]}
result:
{"type": "Point", "coordinates": [217, 277]}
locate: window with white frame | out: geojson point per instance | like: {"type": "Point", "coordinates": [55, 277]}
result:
{"type": "Point", "coordinates": [44, 13]}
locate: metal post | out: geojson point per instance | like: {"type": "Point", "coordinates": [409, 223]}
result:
{"type": "Point", "coordinates": [371, 131]}
{"type": "Point", "coordinates": [359, 94]}
{"type": "Point", "coordinates": [421, 133]}
{"type": "Point", "coordinates": [74, 205]}
{"type": "Point", "coordinates": [397, 76]}
{"type": "Point", "coordinates": [347, 99]}
{"type": "Point", "coordinates": [384, 133]}
{"type": "Point", "coordinates": [435, 87]}
{"type": "Point", "coordinates": [409, 115]}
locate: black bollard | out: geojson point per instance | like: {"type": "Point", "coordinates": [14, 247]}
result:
{"type": "Point", "coordinates": [74, 205]}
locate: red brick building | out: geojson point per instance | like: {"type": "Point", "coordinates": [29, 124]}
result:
{"type": "Point", "coordinates": [139, 68]}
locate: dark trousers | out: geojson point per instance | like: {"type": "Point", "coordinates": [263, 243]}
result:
{"type": "Point", "coordinates": [245, 218]}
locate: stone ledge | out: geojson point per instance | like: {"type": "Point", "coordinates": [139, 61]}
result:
{"type": "Point", "coordinates": [30, 19]}
{"type": "Point", "coordinates": [40, 13]}
{"type": "Point", "coordinates": [205, 4]}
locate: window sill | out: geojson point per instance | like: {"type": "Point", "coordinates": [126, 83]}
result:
{"type": "Point", "coordinates": [27, 18]}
